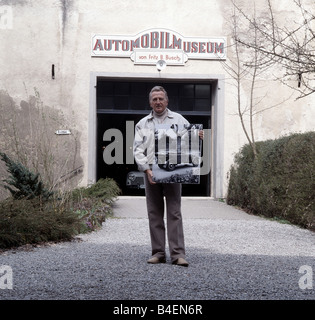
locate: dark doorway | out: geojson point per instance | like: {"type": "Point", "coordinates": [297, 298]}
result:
{"type": "Point", "coordinates": [119, 102]}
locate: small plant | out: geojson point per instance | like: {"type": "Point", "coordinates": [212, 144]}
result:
{"type": "Point", "coordinates": [25, 183]}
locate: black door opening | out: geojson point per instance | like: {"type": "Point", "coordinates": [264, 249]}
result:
{"type": "Point", "coordinates": [119, 102]}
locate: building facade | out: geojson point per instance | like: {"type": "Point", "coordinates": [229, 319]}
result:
{"type": "Point", "coordinates": [71, 70]}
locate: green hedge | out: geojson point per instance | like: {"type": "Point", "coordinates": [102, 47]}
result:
{"type": "Point", "coordinates": [31, 221]}
{"type": "Point", "coordinates": [59, 218]}
{"type": "Point", "coordinates": [280, 182]}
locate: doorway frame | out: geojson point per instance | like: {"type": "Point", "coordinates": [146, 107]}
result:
{"type": "Point", "coordinates": [217, 120]}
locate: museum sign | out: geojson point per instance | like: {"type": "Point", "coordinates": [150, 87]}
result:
{"type": "Point", "coordinates": [153, 45]}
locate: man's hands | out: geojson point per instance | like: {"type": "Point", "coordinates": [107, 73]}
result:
{"type": "Point", "coordinates": [149, 174]}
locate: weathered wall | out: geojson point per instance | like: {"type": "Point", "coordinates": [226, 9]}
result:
{"type": "Point", "coordinates": [28, 136]}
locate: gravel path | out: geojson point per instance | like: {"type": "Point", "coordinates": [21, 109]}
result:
{"type": "Point", "coordinates": [241, 258]}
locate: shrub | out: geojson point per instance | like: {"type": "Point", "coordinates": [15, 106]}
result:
{"type": "Point", "coordinates": [30, 221]}
{"type": "Point", "coordinates": [280, 182]}
{"type": "Point", "coordinates": [103, 191]}
{"type": "Point", "coordinates": [59, 218]}
{"type": "Point", "coordinates": [25, 183]}
{"type": "Point", "coordinates": [94, 203]}
{"type": "Point", "coordinates": [34, 214]}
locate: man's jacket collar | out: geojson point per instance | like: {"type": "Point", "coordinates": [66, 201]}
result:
{"type": "Point", "coordinates": [169, 114]}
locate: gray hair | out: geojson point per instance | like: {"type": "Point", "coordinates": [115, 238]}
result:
{"type": "Point", "coordinates": [158, 89]}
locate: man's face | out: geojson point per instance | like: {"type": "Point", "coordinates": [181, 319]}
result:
{"type": "Point", "coordinates": [158, 101]}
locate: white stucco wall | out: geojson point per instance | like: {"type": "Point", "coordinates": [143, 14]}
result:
{"type": "Point", "coordinates": [59, 32]}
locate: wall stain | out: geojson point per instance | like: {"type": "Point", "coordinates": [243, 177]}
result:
{"type": "Point", "coordinates": [66, 6]}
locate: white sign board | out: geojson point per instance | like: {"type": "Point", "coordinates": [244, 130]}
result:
{"type": "Point", "coordinates": [149, 46]}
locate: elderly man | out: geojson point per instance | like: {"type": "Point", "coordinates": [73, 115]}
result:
{"type": "Point", "coordinates": [155, 192]}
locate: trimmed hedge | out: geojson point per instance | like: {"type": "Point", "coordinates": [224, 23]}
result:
{"type": "Point", "coordinates": [280, 182]}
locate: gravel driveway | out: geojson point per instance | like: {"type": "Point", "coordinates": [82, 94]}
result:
{"type": "Point", "coordinates": [232, 255]}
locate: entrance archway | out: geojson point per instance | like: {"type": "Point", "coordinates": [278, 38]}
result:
{"type": "Point", "coordinates": [119, 102]}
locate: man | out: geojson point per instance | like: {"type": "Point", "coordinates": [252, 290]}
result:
{"type": "Point", "coordinates": [155, 192]}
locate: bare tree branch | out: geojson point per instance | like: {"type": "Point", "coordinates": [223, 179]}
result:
{"type": "Point", "coordinates": [291, 48]}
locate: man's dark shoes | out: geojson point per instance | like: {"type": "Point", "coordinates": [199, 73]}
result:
{"type": "Point", "coordinates": [155, 260]}
{"type": "Point", "coordinates": [181, 262]}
